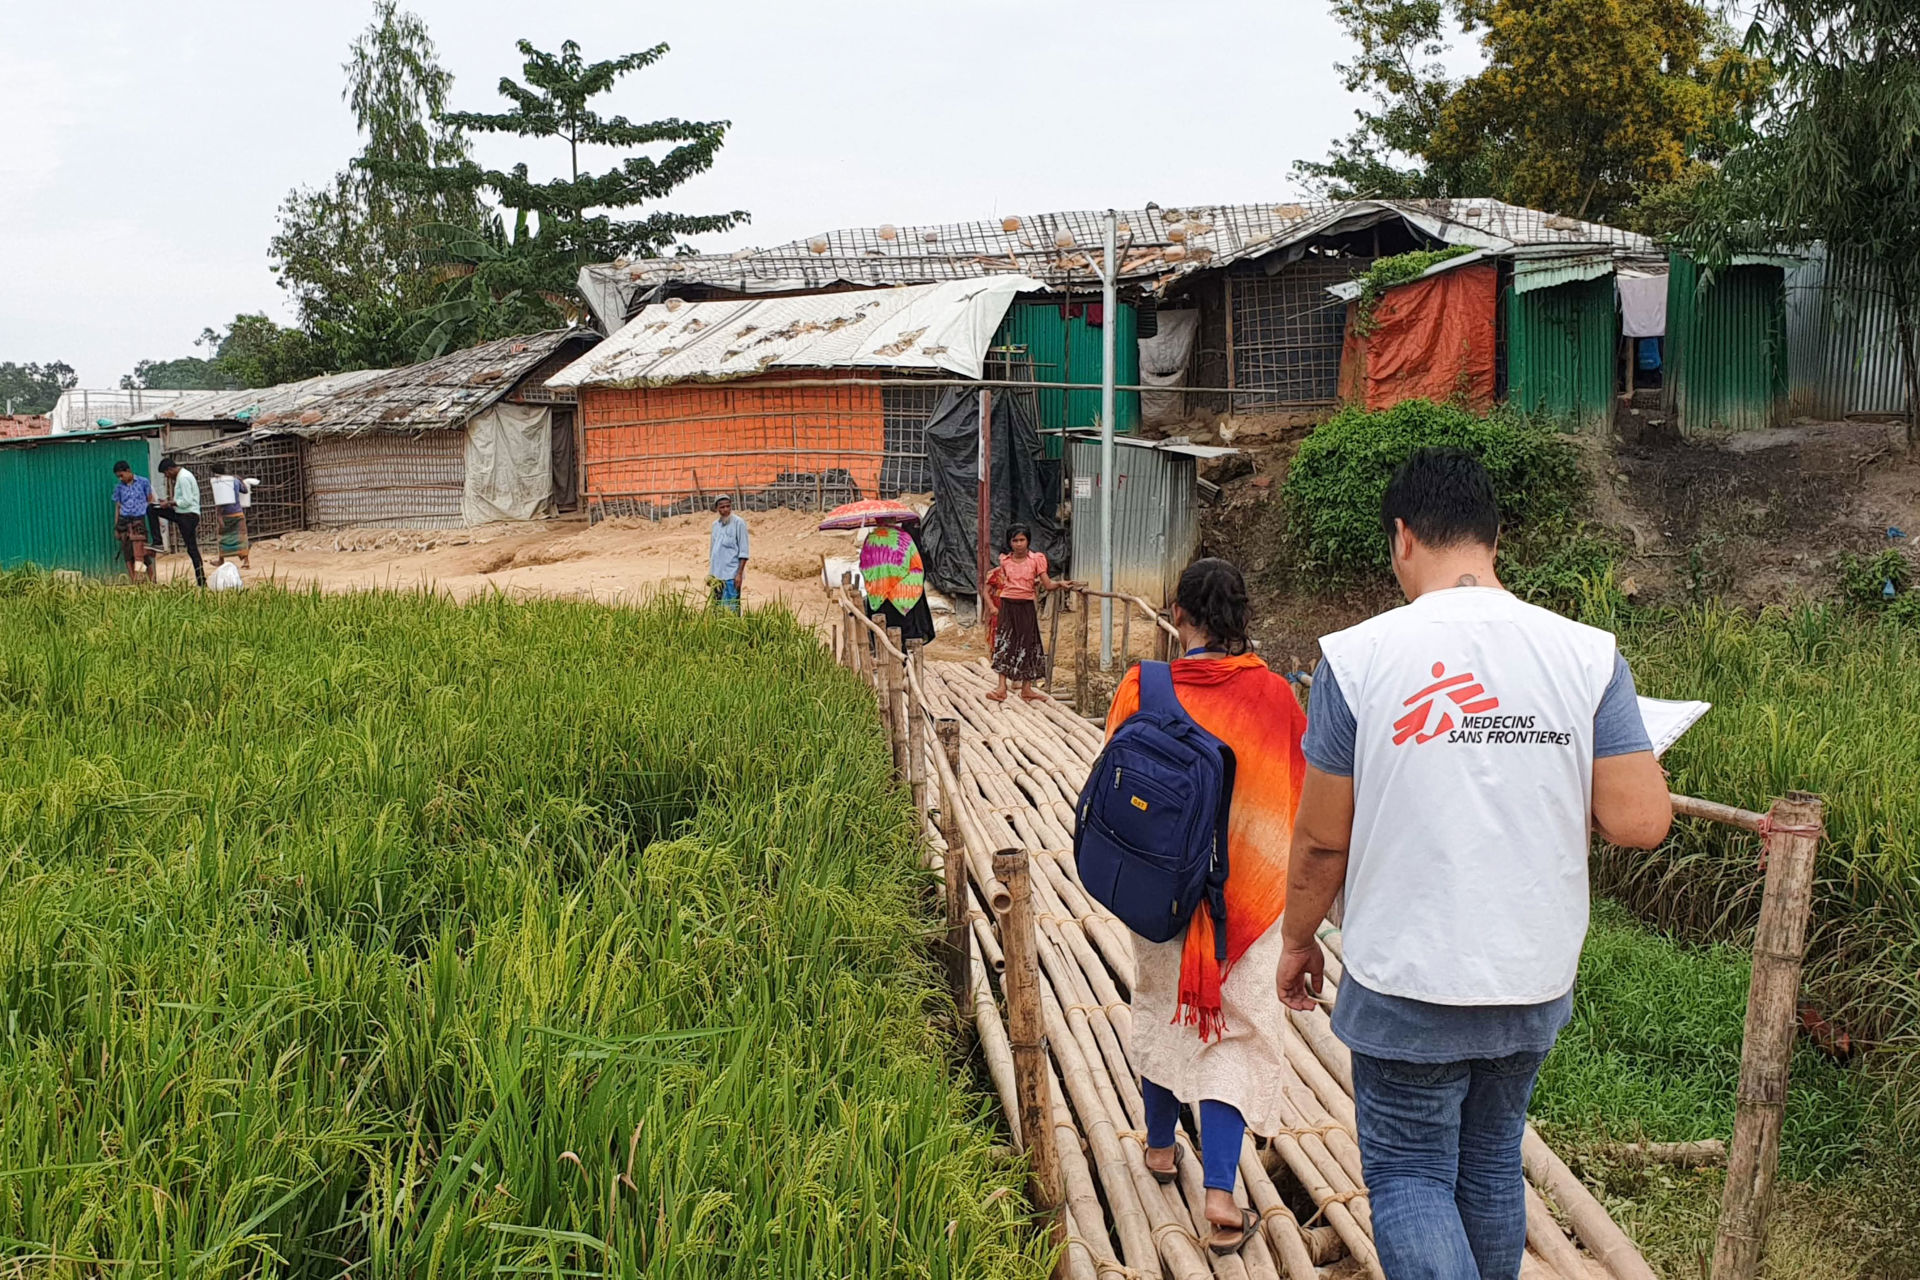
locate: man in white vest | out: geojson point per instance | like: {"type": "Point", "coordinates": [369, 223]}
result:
{"type": "Point", "coordinates": [1460, 752]}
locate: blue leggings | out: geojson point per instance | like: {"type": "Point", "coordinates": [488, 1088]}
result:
{"type": "Point", "coordinates": [1221, 1132]}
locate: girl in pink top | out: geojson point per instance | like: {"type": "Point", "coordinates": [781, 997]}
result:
{"type": "Point", "coordinates": [1017, 651]}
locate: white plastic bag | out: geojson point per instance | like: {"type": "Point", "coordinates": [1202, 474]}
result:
{"type": "Point", "coordinates": [225, 577]}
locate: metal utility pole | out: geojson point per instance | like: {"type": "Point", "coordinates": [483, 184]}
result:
{"type": "Point", "coordinates": [1109, 321]}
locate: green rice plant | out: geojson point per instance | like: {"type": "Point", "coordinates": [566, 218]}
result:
{"type": "Point", "coordinates": [1653, 1053]}
{"type": "Point", "coordinates": [373, 934]}
{"type": "Point", "coordinates": [1806, 697]}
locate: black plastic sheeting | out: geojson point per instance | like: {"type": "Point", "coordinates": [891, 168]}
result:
{"type": "Point", "coordinates": [1022, 490]}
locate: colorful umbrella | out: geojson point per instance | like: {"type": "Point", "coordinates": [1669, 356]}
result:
{"type": "Point", "coordinates": [868, 511]}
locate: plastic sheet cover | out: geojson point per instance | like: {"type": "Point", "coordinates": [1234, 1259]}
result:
{"type": "Point", "coordinates": [1021, 493]}
{"type": "Point", "coordinates": [509, 464]}
{"type": "Point", "coordinates": [1433, 339]}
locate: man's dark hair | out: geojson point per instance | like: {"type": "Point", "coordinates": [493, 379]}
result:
{"type": "Point", "coordinates": [168, 464]}
{"type": "Point", "coordinates": [1445, 498]}
{"type": "Point", "coordinates": [122, 465]}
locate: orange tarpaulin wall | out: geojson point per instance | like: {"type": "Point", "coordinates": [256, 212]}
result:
{"type": "Point", "coordinates": [649, 449]}
{"type": "Point", "coordinates": [1433, 339]}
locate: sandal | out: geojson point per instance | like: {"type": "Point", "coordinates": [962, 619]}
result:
{"type": "Point", "coordinates": [1165, 1177]}
{"type": "Point", "coordinates": [1248, 1221]}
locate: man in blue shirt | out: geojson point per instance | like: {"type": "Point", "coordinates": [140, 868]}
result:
{"type": "Point", "coordinates": [1461, 752]}
{"type": "Point", "coordinates": [132, 496]}
{"type": "Point", "coordinates": [726, 556]}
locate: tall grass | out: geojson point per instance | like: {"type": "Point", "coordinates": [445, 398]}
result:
{"type": "Point", "coordinates": [1807, 697]}
{"type": "Point", "coordinates": [377, 935]}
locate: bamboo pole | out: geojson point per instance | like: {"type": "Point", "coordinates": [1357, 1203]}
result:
{"type": "Point", "coordinates": [1590, 1220]}
{"type": "Point", "coordinates": [954, 871]}
{"type": "Point", "coordinates": [916, 731]}
{"type": "Point", "coordinates": [896, 674]}
{"type": "Point", "coordinates": [1025, 1024]}
{"type": "Point", "coordinates": [1080, 660]}
{"type": "Point", "coordinates": [998, 1052]}
{"type": "Point", "coordinates": [1794, 828]}
{"type": "Point", "coordinates": [1054, 600]}
{"type": "Point", "coordinates": [1679, 1154]}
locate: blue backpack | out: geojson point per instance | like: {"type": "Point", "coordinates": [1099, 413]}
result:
{"type": "Point", "coordinates": [1151, 839]}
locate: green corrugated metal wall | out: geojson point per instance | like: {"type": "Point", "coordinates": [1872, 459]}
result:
{"type": "Point", "coordinates": [56, 502]}
{"type": "Point", "coordinates": [1068, 350]}
{"type": "Point", "coordinates": [1560, 351]}
{"type": "Point", "coordinates": [1726, 348]}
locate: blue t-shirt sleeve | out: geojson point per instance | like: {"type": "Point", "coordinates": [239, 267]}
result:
{"type": "Point", "coordinates": [1331, 729]}
{"type": "Point", "coordinates": [1617, 727]}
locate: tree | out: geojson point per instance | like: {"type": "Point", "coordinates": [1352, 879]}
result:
{"type": "Point", "coordinates": [354, 253]}
{"type": "Point", "coordinates": [35, 388]}
{"type": "Point", "coordinates": [253, 352]}
{"type": "Point", "coordinates": [573, 220]}
{"type": "Point", "coordinates": [1582, 107]}
{"type": "Point", "coordinates": [1833, 155]}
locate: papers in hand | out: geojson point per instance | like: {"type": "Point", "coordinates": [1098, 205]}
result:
{"type": "Point", "coordinates": [1667, 719]}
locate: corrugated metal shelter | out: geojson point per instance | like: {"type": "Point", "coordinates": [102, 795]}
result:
{"type": "Point", "coordinates": [401, 448]}
{"type": "Point", "coordinates": [1561, 344]}
{"type": "Point", "coordinates": [776, 400]}
{"type": "Point", "coordinates": [1843, 341]}
{"type": "Point", "coordinates": [1060, 340]}
{"type": "Point", "coordinates": [1726, 350]}
{"type": "Point", "coordinates": [55, 499]}
{"type": "Point", "coordinates": [1257, 274]}
{"type": "Point", "coordinates": [1156, 524]}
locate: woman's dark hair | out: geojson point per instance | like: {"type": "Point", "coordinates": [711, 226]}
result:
{"type": "Point", "coordinates": [1214, 595]}
{"type": "Point", "coordinates": [1018, 531]}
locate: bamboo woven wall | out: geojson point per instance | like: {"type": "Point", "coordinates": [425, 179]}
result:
{"type": "Point", "coordinates": [389, 479]}
{"type": "Point", "coordinates": [654, 451]}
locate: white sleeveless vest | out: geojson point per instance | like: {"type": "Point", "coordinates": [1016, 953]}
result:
{"type": "Point", "coordinates": [1473, 794]}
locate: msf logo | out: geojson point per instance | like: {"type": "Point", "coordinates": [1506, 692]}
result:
{"type": "Point", "coordinates": [1462, 690]}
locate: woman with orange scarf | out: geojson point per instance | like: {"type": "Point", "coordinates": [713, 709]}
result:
{"type": "Point", "coordinates": [1202, 1035]}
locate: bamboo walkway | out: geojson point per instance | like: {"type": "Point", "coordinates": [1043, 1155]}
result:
{"type": "Point", "coordinates": [1017, 769]}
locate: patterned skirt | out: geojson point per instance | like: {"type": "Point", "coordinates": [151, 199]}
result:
{"type": "Point", "coordinates": [1017, 651]}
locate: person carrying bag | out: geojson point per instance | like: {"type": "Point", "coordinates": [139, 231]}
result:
{"type": "Point", "coordinates": [1185, 824]}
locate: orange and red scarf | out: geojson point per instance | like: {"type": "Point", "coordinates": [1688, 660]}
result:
{"type": "Point", "coordinates": [1252, 710]}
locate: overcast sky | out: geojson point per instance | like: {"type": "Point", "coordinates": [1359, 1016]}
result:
{"type": "Point", "coordinates": [144, 148]}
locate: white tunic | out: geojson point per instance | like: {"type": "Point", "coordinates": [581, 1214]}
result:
{"type": "Point", "coordinates": [1242, 1066]}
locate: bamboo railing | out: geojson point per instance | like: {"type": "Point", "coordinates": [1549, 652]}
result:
{"type": "Point", "coordinates": [996, 784]}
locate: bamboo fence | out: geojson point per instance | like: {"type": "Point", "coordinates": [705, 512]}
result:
{"type": "Point", "coordinates": [998, 783]}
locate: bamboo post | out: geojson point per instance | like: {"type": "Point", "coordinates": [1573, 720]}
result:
{"type": "Point", "coordinates": [1025, 1020]}
{"type": "Point", "coordinates": [916, 730]}
{"type": "Point", "coordinates": [897, 700]}
{"type": "Point", "coordinates": [852, 632]}
{"type": "Point", "coordinates": [1779, 946]}
{"type": "Point", "coordinates": [1080, 662]}
{"type": "Point", "coordinates": [959, 910]}
{"type": "Point", "coordinates": [1126, 638]}
{"type": "Point", "coordinates": [1056, 599]}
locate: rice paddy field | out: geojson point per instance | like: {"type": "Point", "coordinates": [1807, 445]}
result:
{"type": "Point", "coordinates": [380, 936]}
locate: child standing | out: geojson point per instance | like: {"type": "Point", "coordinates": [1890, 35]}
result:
{"type": "Point", "coordinates": [1017, 651]}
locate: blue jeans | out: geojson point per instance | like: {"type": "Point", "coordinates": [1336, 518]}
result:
{"type": "Point", "coordinates": [1222, 1129]}
{"type": "Point", "coordinates": [1440, 1148]}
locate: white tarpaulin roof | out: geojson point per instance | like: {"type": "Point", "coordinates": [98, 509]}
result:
{"type": "Point", "coordinates": [933, 326]}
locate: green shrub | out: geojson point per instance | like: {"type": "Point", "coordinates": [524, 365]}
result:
{"type": "Point", "coordinates": [1398, 269]}
{"type": "Point", "coordinates": [1864, 580]}
{"type": "Point", "coordinates": [1334, 487]}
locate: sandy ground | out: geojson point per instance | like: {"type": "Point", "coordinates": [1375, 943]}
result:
{"type": "Point", "coordinates": [615, 561]}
